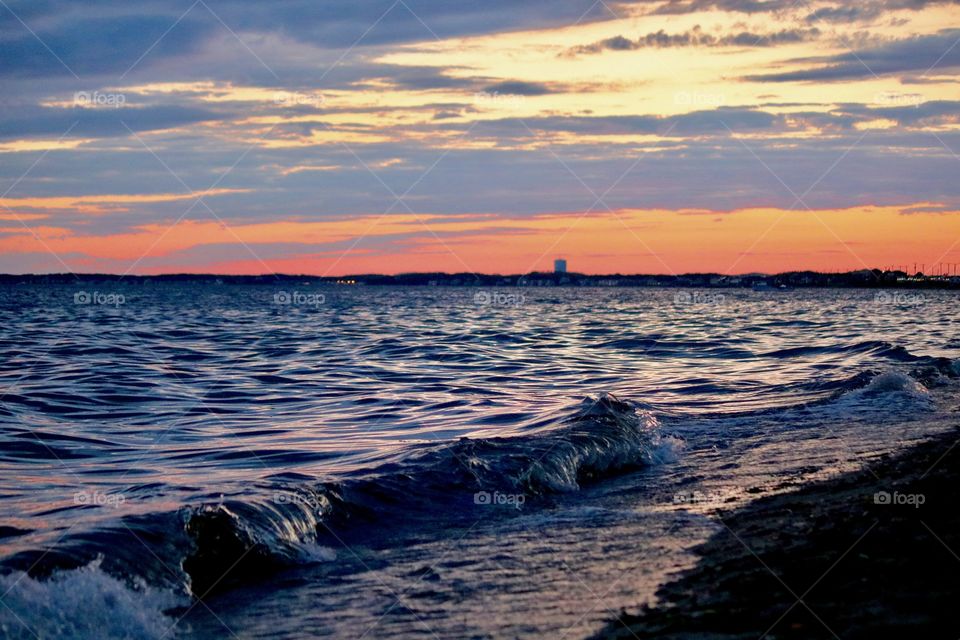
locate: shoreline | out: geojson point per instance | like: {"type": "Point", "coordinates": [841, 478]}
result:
{"type": "Point", "coordinates": [866, 554]}
{"type": "Point", "coordinates": [764, 282]}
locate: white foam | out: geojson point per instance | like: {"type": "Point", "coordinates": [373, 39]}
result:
{"type": "Point", "coordinates": [890, 392]}
{"type": "Point", "coordinates": [81, 604]}
{"type": "Point", "coordinates": [897, 383]}
{"type": "Point", "coordinates": [312, 552]}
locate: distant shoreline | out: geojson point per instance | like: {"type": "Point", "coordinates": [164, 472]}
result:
{"type": "Point", "coordinates": [870, 279]}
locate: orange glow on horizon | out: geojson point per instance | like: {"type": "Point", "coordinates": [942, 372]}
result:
{"type": "Point", "coordinates": [627, 241]}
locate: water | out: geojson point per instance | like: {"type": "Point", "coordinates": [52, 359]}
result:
{"type": "Point", "coordinates": [406, 462]}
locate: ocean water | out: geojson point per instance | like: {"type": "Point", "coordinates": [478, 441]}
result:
{"type": "Point", "coordinates": [420, 462]}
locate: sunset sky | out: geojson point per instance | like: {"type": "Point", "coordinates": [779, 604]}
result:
{"type": "Point", "coordinates": [356, 136]}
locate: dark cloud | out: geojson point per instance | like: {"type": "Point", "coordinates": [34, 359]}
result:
{"type": "Point", "coordinates": [917, 54]}
{"type": "Point", "coordinates": [103, 121]}
{"type": "Point", "coordinates": [417, 78]}
{"type": "Point", "coordinates": [935, 208]}
{"type": "Point", "coordinates": [107, 37]}
{"type": "Point", "coordinates": [906, 115]}
{"type": "Point", "coordinates": [841, 14]}
{"type": "Point", "coordinates": [431, 78]}
{"type": "Point", "coordinates": [520, 88]}
{"type": "Point", "coordinates": [706, 172]}
{"type": "Point", "coordinates": [725, 121]}
{"type": "Point", "coordinates": [741, 6]}
{"type": "Point", "coordinates": [865, 8]}
{"type": "Point", "coordinates": [698, 123]}
{"type": "Point", "coordinates": [696, 37]}
{"type": "Point", "coordinates": [95, 46]}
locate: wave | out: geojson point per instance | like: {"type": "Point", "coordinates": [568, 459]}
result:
{"type": "Point", "coordinates": [927, 372]}
{"type": "Point", "coordinates": [85, 603]}
{"type": "Point", "coordinates": [890, 386]}
{"type": "Point", "coordinates": [279, 523]}
{"type": "Point", "coordinates": [442, 484]}
{"type": "Point", "coordinates": [877, 348]}
{"type": "Point", "coordinates": [290, 519]}
{"type": "Point", "coordinates": [889, 391]}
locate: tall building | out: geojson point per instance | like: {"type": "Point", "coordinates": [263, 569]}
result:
{"type": "Point", "coordinates": [560, 266]}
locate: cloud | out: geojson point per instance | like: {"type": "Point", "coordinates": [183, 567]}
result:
{"type": "Point", "coordinates": [98, 122]}
{"type": "Point", "coordinates": [908, 115]}
{"type": "Point", "coordinates": [98, 37]}
{"type": "Point", "coordinates": [936, 208]}
{"type": "Point", "coordinates": [841, 14]}
{"type": "Point", "coordinates": [917, 54]}
{"type": "Point", "coordinates": [94, 37]}
{"type": "Point", "coordinates": [95, 45]}
{"type": "Point", "coordinates": [696, 37]}
{"type": "Point", "coordinates": [421, 78]}
{"type": "Point", "coordinates": [710, 122]}
{"type": "Point", "coordinates": [520, 88]}
{"type": "Point", "coordinates": [740, 6]}
{"type": "Point", "coordinates": [866, 9]}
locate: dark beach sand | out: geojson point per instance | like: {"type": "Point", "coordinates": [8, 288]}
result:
{"type": "Point", "coordinates": [827, 561]}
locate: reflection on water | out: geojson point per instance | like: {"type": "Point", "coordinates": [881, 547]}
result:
{"type": "Point", "coordinates": [141, 400]}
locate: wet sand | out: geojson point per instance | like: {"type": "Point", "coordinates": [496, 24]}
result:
{"type": "Point", "coordinates": [871, 554]}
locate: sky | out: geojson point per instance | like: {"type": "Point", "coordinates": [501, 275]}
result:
{"type": "Point", "coordinates": [362, 136]}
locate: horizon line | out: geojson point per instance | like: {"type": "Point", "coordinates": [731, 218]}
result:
{"type": "Point", "coordinates": [459, 274]}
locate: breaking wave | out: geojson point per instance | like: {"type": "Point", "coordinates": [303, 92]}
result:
{"type": "Point", "coordinates": [84, 603]}
{"type": "Point", "coordinates": [276, 524]}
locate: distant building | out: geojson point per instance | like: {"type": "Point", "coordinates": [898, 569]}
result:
{"type": "Point", "coordinates": [560, 266]}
